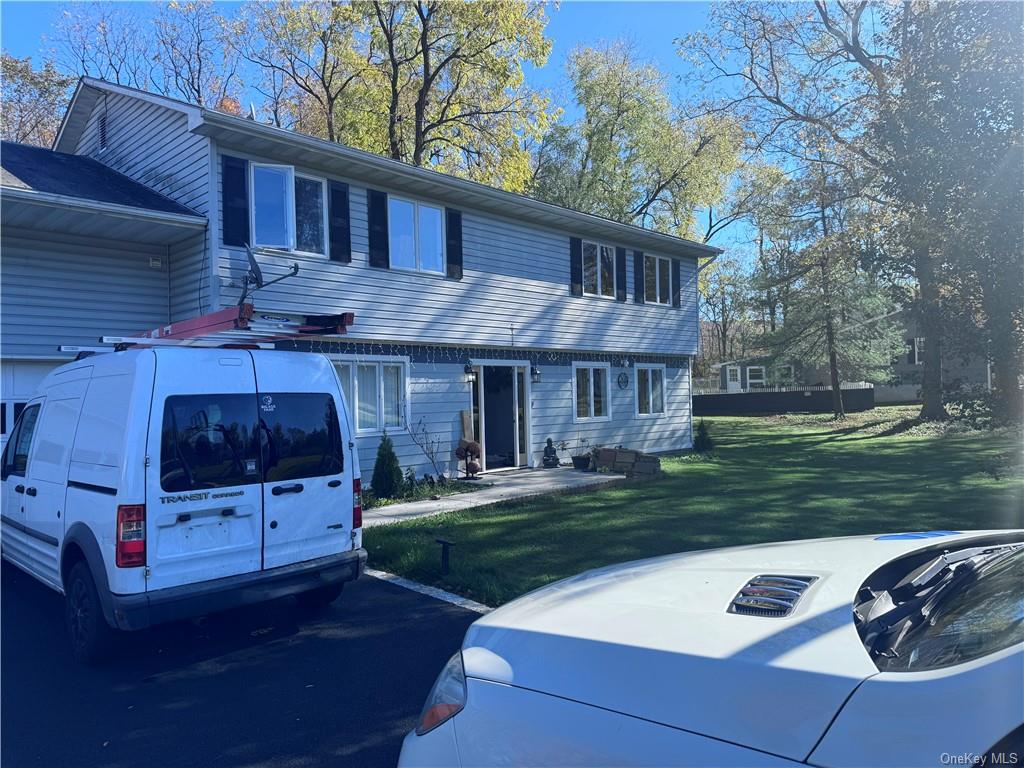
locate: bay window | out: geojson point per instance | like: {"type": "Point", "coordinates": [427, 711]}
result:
{"type": "Point", "coordinates": [590, 381]}
{"type": "Point", "coordinates": [374, 393]}
{"type": "Point", "coordinates": [415, 235]}
{"type": "Point", "coordinates": [650, 390]}
{"type": "Point", "coordinates": [288, 209]}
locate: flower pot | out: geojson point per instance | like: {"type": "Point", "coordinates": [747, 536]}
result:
{"type": "Point", "coordinates": [581, 462]}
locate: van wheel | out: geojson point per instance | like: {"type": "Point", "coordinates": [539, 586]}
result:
{"type": "Point", "coordinates": [318, 599]}
{"type": "Point", "coordinates": [91, 636]}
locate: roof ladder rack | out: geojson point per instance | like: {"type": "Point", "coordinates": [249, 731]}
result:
{"type": "Point", "coordinates": [234, 326]}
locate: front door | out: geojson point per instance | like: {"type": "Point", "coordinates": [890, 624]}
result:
{"type": "Point", "coordinates": [501, 391]}
{"type": "Point", "coordinates": [204, 495]}
{"type": "Point", "coordinates": [307, 489]}
{"type": "Point", "coordinates": [732, 378]}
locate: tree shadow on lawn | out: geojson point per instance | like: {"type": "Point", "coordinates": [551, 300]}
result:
{"type": "Point", "coordinates": [761, 487]}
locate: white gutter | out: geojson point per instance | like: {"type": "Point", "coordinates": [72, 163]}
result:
{"type": "Point", "coordinates": [93, 206]}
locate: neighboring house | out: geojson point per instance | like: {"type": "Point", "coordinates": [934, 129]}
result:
{"type": "Point", "coordinates": [755, 372]}
{"type": "Point", "coordinates": [476, 310]}
{"type": "Point", "coordinates": [958, 372]}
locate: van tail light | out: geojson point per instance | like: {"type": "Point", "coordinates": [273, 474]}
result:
{"type": "Point", "coordinates": [130, 551]}
{"type": "Point", "coordinates": [357, 503]}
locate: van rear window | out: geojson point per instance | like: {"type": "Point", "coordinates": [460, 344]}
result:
{"type": "Point", "coordinates": [303, 435]}
{"type": "Point", "coordinates": [209, 441]}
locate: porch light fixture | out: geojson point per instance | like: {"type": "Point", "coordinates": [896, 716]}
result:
{"type": "Point", "coordinates": [470, 373]}
{"type": "Point", "coordinates": [534, 374]}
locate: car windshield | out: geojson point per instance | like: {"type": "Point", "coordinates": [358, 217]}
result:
{"type": "Point", "coordinates": [984, 616]}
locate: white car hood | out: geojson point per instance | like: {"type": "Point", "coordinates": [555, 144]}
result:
{"type": "Point", "coordinates": [653, 639]}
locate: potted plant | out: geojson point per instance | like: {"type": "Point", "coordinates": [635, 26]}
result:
{"type": "Point", "coordinates": [582, 458]}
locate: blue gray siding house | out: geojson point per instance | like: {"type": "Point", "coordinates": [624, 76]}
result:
{"type": "Point", "coordinates": [478, 312]}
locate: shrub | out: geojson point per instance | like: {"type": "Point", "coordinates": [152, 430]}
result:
{"type": "Point", "coordinates": [387, 474]}
{"type": "Point", "coordinates": [703, 443]}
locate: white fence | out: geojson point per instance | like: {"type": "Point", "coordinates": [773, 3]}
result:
{"type": "Point", "coordinates": [706, 390]}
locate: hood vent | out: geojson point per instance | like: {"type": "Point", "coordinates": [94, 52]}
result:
{"type": "Point", "coordinates": [770, 595]}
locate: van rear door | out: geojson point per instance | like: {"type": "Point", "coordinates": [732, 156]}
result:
{"type": "Point", "coordinates": [307, 467]}
{"type": "Point", "coordinates": [203, 489]}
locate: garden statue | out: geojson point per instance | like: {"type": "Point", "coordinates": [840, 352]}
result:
{"type": "Point", "coordinates": [550, 455]}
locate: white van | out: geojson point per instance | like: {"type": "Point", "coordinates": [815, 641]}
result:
{"type": "Point", "coordinates": [150, 485]}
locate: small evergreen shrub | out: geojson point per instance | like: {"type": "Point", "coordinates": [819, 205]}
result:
{"type": "Point", "coordinates": [703, 443]}
{"type": "Point", "coordinates": [387, 474]}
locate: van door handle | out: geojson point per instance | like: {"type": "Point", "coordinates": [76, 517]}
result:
{"type": "Point", "coordinates": [334, 483]}
{"type": "Point", "coordinates": [280, 489]}
{"type": "Point", "coordinates": [19, 489]}
{"type": "Point", "coordinates": [30, 491]}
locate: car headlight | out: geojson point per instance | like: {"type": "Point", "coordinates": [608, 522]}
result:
{"type": "Point", "coordinates": [447, 697]}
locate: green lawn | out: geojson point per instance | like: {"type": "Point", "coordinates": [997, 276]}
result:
{"type": "Point", "coordinates": [770, 479]}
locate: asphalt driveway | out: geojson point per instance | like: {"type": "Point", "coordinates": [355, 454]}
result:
{"type": "Point", "coordinates": [259, 686]}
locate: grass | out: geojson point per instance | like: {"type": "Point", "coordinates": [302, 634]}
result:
{"type": "Point", "coordinates": [421, 492]}
{"type": "Point", "coordinates": [769, 479]}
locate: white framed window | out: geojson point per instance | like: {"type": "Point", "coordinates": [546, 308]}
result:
{"type": "Point", "coordinates": [591, 394]}
{"type": "Point", "coordinates": [415, 235]}
{"type": "Point", "coordinates": [375, 393]}
{"type": "Point", "coordinates": [650, 390]}
{"type": "Point", "coordinates": [755, 376]}
{"type": "Point", "coordinates": [657, 279]}
{"type": "Point", "coordinates": [599, 270]}
{"type": "Point", "coordinates": [287, 210]}
{"type": "Point", "coordinates": [916, 351]}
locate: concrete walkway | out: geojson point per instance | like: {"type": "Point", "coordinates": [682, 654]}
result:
{"type": "Point", "coordinates": [497, 486]}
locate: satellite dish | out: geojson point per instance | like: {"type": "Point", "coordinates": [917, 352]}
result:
{"type": "Point", "coordinates": [255, 276]}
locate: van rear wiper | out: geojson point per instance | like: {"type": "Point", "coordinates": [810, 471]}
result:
{"type": "Point", "coordinates": [886, 618]}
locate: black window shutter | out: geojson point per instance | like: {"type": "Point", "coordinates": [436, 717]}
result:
{"type": "Point", "coordinates": [620, 274]}
{"type": "Point", "coordinates": [575, 266]}
{"type": "Point", "coordinates": [341, 241]}
{"type": "Point", "coordinates": [676, 300]}
{"type": "Point", "coordinates": [234, 200]}
{"type": "Point", "coordinates": [453, 242]}
{"type": "Point", "coordinates": [638, 277]}
{"type": "Point", "coordinates": [377, 214]}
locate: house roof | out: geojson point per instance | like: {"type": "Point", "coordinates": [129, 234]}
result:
{"type": "Point", "coordinates": [35, 169]}
{"type": "Point", "coordinates": [248, 135]}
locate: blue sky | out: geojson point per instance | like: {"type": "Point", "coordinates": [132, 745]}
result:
{"type": "Point", "coordinates": [652, 26]}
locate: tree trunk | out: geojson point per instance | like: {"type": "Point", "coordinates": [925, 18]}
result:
{"type": "Point", "coordinates": [838, 411]}
{"type": "Point", "coordinates": [930, 319]}
{"type": "Point", "coordinates": [423, 97]}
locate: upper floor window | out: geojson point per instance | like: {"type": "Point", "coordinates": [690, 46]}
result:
{"type": "Point", "coordinates": [415, 235]}
{"type": "Point", "coordinates": [374, 393]}
{"type": "Point", "coordinates": [591, 382]}
{"type": "Point", "coordinates": [288, 210]}
{"type": "Point", "coordinates": [598, 270]}
{"type": "Point", "coordinates": [650, 390]}
{"type": "Point", "coordinates": [916, 354]}
{"type": "Point", "coordinates": [657, 280]}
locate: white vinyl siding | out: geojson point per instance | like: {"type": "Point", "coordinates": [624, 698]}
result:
{"type": "Point", "coordinates": [515, 274]}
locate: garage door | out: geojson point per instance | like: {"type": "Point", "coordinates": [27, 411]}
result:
{"type": "Point", "coordinates": [18, 382]}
